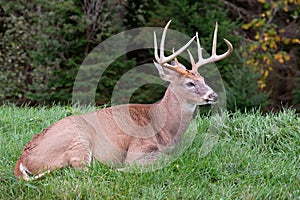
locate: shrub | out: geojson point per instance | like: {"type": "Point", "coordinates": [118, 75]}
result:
{"type": "Point", "coordinates": [242, 89]}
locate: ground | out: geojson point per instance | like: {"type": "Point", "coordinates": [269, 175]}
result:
{"type": "Point", "coordinates": [255, 156]}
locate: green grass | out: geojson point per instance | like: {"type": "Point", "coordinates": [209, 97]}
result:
{"type": "Point", "coordinates": [256, 157]}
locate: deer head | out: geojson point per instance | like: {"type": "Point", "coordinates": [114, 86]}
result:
{"type": "Point", "coordinates": [188, 84]}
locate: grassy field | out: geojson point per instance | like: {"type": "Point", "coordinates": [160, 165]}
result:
{"type": "Point", "coordinates": [256, 157]}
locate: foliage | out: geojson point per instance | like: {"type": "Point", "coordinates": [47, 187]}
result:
{"type": "Point", "coordinates": [110, 78]}
{"type": "Point", "coordinates": [242, 91]}
{"type": "Point", "coordinates": [58, 43]}
{"type": "Point", "coordinates": [43, 44]}
{"type": "Point", "coordinates": [136, 14]}
{"type": "Point", "coordinates": [16, 40]}
{"type": "Point", "coordinates": [36, 44]}
{"type": "Point", "coordinates": [272, 44]}
{"type": "Point", "coordinates": [256, 157]}
{"type": "Point", "coordinates": [270, 41]}
{"type": "Point", "coordinates": [52, 37]}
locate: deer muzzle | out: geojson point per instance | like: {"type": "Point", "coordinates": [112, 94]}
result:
{"type": "Point", "coordinates": [213, 97]}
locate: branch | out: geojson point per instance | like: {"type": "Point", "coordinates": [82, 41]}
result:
{"type": "Point", "coordinates": [238, 10]}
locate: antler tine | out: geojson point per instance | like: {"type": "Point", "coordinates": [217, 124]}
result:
{"type": "Point", "coordinates": [215, 38]}
{"type": "Point", "coordinates": [162, 59]}
{"type": "Point", "coordinates": [214, 57]}
{"type": "Point", "coordinates": [175, 59]}
{"type": "Point", "coordinates": [199, 47]}
{"type": "Point", "coordinates": [163, 38]}
{"type": "Point", "coordinates": [192, 60]}
{"type": "Point", "coordinates": [194, 67]}
{"type": "Point", "coordinates": [155, 48]}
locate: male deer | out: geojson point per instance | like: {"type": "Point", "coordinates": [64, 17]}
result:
{"type": "Point", "coordinates": [125, 133]}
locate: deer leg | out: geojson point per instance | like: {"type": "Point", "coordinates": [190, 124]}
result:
{"type": "Point", "coordinates": [51, 150]}
{"type": "Point", "coordinates": [143, 156]}
{"type": "Point", "coordinates": [28, 170]}
{"type": "Point", "coordinates": [141, 159]}
{"type": "Point", "coordinates": [80, 161]}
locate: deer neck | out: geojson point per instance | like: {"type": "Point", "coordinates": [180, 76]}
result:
{"type": "Point", "coordinates": [176, 113]}
{"type": "Point", "coordinates": [176, 104]}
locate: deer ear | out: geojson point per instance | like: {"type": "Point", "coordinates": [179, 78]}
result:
{"type": "Point", "coordinates": [162, 72]}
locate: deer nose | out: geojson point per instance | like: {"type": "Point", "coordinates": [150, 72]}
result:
{"type": "Point", "coordinates": [213, 97]}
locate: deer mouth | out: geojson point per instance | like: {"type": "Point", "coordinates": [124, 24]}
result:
{"type": "Point", "coordinates": [207, 101]}
{"type": "Point", "coordinates": [211, 102]}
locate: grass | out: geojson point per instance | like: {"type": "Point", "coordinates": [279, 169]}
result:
{"type": "Point", "coordinates": [256, 157]}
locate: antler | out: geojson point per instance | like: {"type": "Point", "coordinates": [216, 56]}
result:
{"type": "Point", "coordinates": [162, 60]}
{"type": "Point", "coordinates": [214, 57]}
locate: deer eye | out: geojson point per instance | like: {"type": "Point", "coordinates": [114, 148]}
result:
{"type": "Point", "coordinates": [190, 84]}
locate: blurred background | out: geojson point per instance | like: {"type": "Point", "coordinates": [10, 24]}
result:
{"type": "Point", "coordinates": [43, 43]}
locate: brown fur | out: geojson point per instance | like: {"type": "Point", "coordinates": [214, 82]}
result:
{"type": "Point", "coordinates": [74, 140]}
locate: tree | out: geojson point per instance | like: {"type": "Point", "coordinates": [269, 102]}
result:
{"type": "Point", "coordinates": [16, 42]}
{"type": "Point", "coordinates": [272, 44]}
{"type": "Point", "coordinates": [44, 43]}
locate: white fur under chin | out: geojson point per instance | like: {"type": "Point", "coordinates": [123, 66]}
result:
{"type": "Point", "coordinates": [190, 107]}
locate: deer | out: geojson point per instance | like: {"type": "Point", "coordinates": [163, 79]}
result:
{"type": "Point", "coordinates": [127, 133]}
